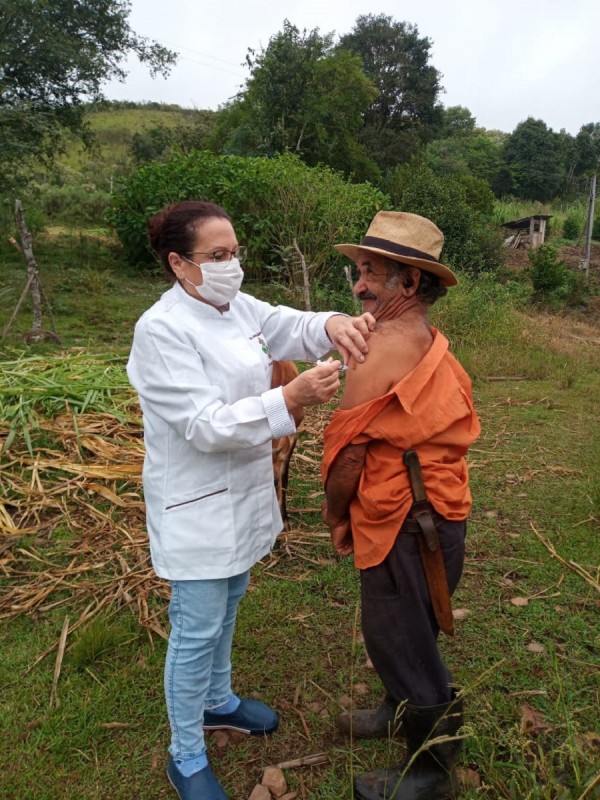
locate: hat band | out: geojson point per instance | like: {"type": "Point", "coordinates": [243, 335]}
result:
{"type": "Point", "coordinates": [397, 249]}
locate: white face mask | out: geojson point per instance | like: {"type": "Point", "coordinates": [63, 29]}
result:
{"type": "Point", "coordinates": [221, 281]}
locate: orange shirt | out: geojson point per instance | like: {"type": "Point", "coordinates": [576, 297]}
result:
{"type": "Point", "coordinates": [430, 410]}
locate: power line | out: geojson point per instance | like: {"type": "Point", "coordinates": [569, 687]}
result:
{"type": "Point", "coordinates": [200, 53]}
{"type": "Point", "coordinates": [213, 66]}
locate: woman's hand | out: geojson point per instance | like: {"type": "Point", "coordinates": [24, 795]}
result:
{"type": "Point", "coordinates": [349, 334]}
{"type": "Point", "coordinates": [314, 386]}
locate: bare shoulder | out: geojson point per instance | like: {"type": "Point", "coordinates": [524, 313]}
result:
{"type": "Point", "coordinates": [394, 350]}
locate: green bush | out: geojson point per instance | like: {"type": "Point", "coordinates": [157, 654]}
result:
{"type": "Point", "coordinates": [481, 319]}
{"type": "Point", "coordinates": [596, 229]}
{"type": "Point", "coordinates": [73, 203]}
{"type": "Point", "coordinates": [278, 206]}
{"type": "Point", "coordinates": [571, 227]}
{"type": "Point", "coordinates": [553, 282]}
{"type": "Point", "coordinates": [478, 195]}
{"type": "Point", "coordinates": [547, 271]}
{"type": "Point", "coordinates": [150, 144]}
{"type": "Point", "coordinates": [480, 311]}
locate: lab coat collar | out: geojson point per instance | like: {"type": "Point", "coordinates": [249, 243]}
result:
{"type": "Point", "coordinates": [197, 306]}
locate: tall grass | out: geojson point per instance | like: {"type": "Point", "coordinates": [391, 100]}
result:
{"type": "Point", "coordinates": [509, 209]}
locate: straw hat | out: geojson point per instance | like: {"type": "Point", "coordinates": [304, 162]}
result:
{"type": "Point", "coordinates": [406, 238]}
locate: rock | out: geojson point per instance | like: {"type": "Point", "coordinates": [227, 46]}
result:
{"type": "Point", "coordinates": [469, 778]}
{"type": "Point", "coordinates": [221, 739]}
{"type": "Point", "coordinates": [460, 613]}
{"type": "Point", "coordinates": [534, 647]}
{"type": "Point", "coordinates": [274, 779]}
{"type": "Point", "coordinates": [260, 792]}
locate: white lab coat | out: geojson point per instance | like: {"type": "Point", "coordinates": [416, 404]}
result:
{"type": "Point", "coordinates": [203, 378]}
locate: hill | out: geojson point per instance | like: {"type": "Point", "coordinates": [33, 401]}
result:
{"type": "Point", "coordinates": [114, 126]}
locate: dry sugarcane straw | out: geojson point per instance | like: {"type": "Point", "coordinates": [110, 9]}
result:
{"type": "Point", "coordinates": [78, 473]}
{"type": "Point", "coordinates": [572, 565]}
{"type": "Point", "coordinates": [58, 665]}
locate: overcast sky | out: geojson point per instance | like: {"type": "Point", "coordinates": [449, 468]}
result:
{"type": "Point", "coordinates": [504, 61]}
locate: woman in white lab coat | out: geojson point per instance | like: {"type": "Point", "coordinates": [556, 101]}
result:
{"type": "Point", "coordinates": [201, 363]}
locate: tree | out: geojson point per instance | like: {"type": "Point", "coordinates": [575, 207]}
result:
{"type": "Point", "coordinates": [302, 97]}
{"type": "Point", "coordinates": [54, 57]}
{"type": "Point", "coordinates": [456, 121]}
{"type": "Point", "coordinates": [587, 143]}
{"type": "Point", "coordinates": [534, 157]}
{"type": "Point", "coordinates": [396, 59]}
{"type": "Point", "coordinates": [473, 154]}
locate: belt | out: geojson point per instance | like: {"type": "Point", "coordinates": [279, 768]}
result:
{"type": "Point", "coordinates": [411, 524]}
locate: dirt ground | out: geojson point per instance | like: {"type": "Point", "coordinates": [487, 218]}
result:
{"type": "Point", "coordinates": [572, 256]}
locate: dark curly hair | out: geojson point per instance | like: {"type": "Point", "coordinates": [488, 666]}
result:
{"type": "Point", "coordinates": [430, 286]}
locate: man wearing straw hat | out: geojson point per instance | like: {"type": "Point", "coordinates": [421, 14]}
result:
{"type": "Point", "coordinates": [398, 497]}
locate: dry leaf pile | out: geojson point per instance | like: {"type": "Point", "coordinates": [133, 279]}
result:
{"type": "Point", "coordinates": [72, 522]}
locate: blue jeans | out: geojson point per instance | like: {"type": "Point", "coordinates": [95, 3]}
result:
{"type": "Point", "coordinates": [198, 664]}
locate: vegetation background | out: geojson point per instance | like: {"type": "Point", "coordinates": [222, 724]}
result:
{"type": "Point", "coordinates": [301, 162]}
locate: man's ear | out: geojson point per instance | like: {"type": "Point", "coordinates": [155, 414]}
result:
{"type": "Point", "coordinates": [411, 280]}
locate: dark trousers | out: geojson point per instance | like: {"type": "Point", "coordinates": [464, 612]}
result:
{"type": "Point", "coordinates": [398, 623]}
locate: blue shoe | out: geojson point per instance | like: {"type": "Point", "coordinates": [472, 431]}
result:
{"type": "Point", "coordinates": [251, 716]}
{"type": "Point", "coordinates": [200, 786]}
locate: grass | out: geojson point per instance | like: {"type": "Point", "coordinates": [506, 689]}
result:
{"type": "Point", "coordinates": [93, 295]}
{"type": "Point", "coordinates": [530, 671]}
{"type": "Point", "coordinates": [114, 130]}
{"type": "Point", "coordinates": [509, 209]}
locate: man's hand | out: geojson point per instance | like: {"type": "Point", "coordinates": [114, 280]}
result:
{"type": "Point", "coordinates": [341, 533]}
{"type": "Point", "coordinates": [349, 334]}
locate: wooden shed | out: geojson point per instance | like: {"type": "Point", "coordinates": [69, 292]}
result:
{"type": "Point", "coordinates": [527, 232]}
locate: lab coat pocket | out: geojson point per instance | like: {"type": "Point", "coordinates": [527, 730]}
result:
{"type": "Point", "coordinates": [194, 497]}
{"type": "Point", "coordinates": [197, 527]}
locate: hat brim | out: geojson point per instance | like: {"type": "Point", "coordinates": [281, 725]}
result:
{"type": "Point", "coordinates": [446, 275]}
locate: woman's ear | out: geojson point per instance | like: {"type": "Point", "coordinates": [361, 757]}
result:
{"type": "Point", "coordinates": [176, 263]}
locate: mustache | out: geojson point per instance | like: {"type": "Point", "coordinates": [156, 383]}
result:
{"type": "Point", "coordinates": [366, 296]}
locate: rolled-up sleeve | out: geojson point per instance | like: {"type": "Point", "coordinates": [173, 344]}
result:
{"type": "Point", "coordinates": [281, 421]}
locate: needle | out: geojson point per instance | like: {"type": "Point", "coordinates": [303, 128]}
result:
{"type": "Point", "coordinates": [341, 367]}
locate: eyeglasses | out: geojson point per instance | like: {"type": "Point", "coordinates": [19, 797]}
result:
{"type": "Point", "coordinates": [224, 255]}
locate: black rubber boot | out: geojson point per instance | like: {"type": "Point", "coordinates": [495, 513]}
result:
{"type": "Point", "coordinates": [383, 722]}
{"type": "Point", "coordinates": [431, 775]}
